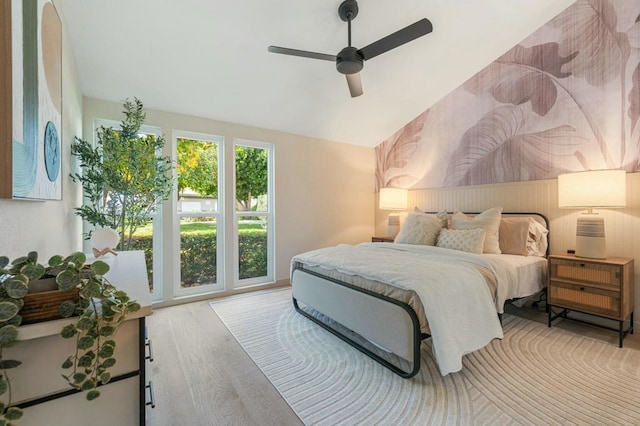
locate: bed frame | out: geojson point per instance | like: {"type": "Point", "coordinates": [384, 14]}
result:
{"type": "Point", "coordinates": [362, 311]}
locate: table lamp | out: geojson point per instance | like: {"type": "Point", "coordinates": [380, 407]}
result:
{"type": "Point", "coordinates": [591, 189]}
{"type": "Point", "coordinates": [393, 199]}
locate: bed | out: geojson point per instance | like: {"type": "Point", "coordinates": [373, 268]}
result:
{"type": "Point", "coordinates": [395, 295]}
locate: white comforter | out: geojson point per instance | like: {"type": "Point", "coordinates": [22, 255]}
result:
{"type": "Point", "coordinates": [457, 301]}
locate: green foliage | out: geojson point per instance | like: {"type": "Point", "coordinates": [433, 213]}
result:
{"type": "Point", "coordinates": [101, 310]}
{"type": "Point", "coordinates": [198, 254]}
{"type": "Point", "coordinates": [252, 250]}
{"type": "Point", "coordinates": [123, 178]}
{"type": "Point", "coordinates": [92, 330]}
{"type": "Point", "coordinates": [198, 167]}
{"type": "Point", "coordinates": [251, 175]}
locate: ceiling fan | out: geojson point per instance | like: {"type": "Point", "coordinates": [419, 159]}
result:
{"type": "Point", "coordinates": [349, 61]}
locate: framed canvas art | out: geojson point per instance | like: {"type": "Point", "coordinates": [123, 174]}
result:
{"type": "Point", "coordinates": [31, 104]}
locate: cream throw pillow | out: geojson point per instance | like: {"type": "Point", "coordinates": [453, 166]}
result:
{"type": "Point", "coordinates": [419, 228]}
{"type": "Point", "coordinates": [469, 240]}
{"type": "Point", "coordinates": [488, 220]}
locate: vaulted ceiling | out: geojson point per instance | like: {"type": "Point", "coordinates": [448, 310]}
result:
{"type": "Point", "coordinates": [208, 58]}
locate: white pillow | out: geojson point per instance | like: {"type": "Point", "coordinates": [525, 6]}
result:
{"type": "Point", "coordinates": [419, 228]}
{"type": "Point", "coordinates": [469, 240]}
{"type": "Point", "coordinates": [537, 241]}
{"type": "Point", "coordinates": [489, 220]}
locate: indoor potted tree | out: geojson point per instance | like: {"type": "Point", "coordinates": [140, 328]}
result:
{"type": "Point", "coordinates": [123, 177]}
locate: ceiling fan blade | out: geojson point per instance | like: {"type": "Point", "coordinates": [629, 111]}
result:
{"type": "Point", "coordinates": [303, 53]}
{"type": "Point", "coordinates": [355, 84]}
{"type": "Point", "coordinates": [405, 35]}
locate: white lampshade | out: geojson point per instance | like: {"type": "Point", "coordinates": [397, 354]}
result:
{"type": "Point", "coordinates": [594, 188]}
{"type": "Point", "coordinates": [393, 199]}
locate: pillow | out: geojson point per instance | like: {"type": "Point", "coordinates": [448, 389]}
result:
{"type": "Point", "coordinates": [489, 220]}
{"type": "Point", "coordinates": [419, 228]}
{"type": "Point", "coordinates": [514, 235]}
{"type": "Point", "coordinates": [442, 216]}
{"type": "Point", "coordinates": [469, 240]}
{"type": "Point", "coordinates": [537, 241]}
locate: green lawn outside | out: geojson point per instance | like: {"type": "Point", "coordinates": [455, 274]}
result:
{"type": "Point", "coordinates": [194, 228]}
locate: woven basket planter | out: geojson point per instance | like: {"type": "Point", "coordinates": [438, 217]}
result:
{"type": "Point", "coordinates": [43, 305]}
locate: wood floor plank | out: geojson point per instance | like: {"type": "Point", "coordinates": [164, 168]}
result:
{"type": "Point", "coordinates": [201, 375]}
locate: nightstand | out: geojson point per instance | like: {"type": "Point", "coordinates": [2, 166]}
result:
{"type": "Point", "coordinates": [382, 239]}
{"type": "Point", "coordinates": [600, 287]}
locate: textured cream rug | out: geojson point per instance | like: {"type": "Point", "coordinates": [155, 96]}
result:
{"type": "Point", "coordinates": [535, 375]}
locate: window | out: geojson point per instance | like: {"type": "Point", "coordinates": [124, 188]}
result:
{"type": "Point", "coordinates": [212, 234]}
{"type": "Point", "coordinates": [199, 211]}
{"type": "Point", "coordinates": [254, 224]}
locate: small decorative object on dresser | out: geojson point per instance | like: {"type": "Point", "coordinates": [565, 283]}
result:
{"type": "Point", "coordinates": [600, 287]}
{"type": "Point", "coordinates": [104, 241]}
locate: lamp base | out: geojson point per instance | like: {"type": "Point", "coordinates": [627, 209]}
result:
{"type": "Point", "coordinates": [590, 240]}
{"type": "Point", "coordinates": [393, 225]}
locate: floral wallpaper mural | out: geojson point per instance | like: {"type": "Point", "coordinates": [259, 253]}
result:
{"type": "Point", "coordinates": [567, 98]}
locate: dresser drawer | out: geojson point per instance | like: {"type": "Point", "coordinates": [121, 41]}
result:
{"type": "Point", "coordinates": [601, 275]}
{"type": "Point", "coordinates": [584, 298]}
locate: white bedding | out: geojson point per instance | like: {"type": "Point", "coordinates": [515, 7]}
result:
{"type": "Point", "coordinates": [458, 304]}
{"type": "Point", "coordinates": [518, 276]}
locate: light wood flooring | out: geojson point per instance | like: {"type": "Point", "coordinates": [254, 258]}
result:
{"type": "Point", "coordinates": [201, 375]}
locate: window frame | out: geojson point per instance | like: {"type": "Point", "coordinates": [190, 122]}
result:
{"type": "Point", "coordinates": [269, 214]}
{"type": "Point", "coordinates": [219, 215]}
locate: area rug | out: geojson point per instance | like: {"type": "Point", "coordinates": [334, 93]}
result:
{"type": "Point", "coordinates": [535, 375]}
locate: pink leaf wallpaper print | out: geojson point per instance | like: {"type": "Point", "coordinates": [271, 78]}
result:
{"type": "Point", "coordinates": [567, 98]}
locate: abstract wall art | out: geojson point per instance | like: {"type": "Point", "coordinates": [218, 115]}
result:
{"type": "Point", "coordinates": [567, 98]}
{"type": "Point", "coordinates": [31, 100]}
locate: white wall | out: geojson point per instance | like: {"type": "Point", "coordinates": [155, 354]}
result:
{"type": "Point", "coordinates": [622, 226]}
{"type": "Point", "coordinates": [50, 227]}
{"type": "Point", "coordinates": [324, 190]}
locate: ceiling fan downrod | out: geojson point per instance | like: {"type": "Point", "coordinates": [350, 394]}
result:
{"type": "Point", "coordinates": [349, 60]}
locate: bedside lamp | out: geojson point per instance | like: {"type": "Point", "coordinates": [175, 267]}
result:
{"type": "Point", "coordinates": [595, 188]}
{"type": "Point", "coordinates": [393, 199]}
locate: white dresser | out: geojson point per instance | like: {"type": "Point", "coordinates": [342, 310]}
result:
{"type": "Point", "coordinates": [38, 387]}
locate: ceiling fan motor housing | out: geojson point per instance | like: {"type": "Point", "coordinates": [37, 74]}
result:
{"type": "Point", "coordinates": [349, 61]}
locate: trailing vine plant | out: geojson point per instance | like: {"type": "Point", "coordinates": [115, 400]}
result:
{"type": "Point", "coordinates": [101, 309]}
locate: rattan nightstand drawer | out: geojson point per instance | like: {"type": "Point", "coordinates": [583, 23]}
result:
{"type": "Point", "coordinates": [586, 299]}
{"type": "Point", "coordinates": [600, 275]}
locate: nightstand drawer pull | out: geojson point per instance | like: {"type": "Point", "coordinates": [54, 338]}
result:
{"type": "Point", "coordinates": [581, 288]}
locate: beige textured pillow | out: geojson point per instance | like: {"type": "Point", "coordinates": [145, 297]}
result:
{"type": "Point", "coordinates": [419, 228]}
{"type": "Point", "coordinates": [489, 220]}
{"type": "Point", "coordinates": [514, 235]}
{"type": "Point", "coordinates": [469, 240]}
